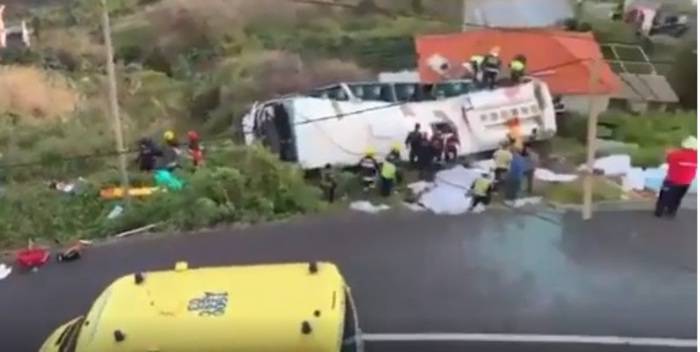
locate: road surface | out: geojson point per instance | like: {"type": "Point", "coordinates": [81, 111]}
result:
{"type": "Point", "coordinates": [500, 273]}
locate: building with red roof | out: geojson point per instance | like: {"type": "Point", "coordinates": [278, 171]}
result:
{"type": "Point", "coordinates": [562, 59]}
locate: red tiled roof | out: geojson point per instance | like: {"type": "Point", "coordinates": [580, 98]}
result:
{"type": "Point", "coordinates": [560, 58]}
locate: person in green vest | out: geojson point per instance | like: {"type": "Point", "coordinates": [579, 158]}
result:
{"type": "Point", "coordinates": [388, 178]}
{"type": "Point", "coordinates": [517, 69]}
{"type": "Point", "coordinates": [481, 190]}
{"type": "Point", "coordinates": [502, 158]}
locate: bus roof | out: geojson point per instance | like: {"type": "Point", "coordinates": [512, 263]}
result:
{"type": "Point", "coordinates": [281, 307]}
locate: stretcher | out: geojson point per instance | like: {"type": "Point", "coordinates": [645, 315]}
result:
{"type": "Point", "coordinates": [118, 192]}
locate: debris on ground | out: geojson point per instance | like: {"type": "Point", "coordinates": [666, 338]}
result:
{"type": "Point", "coordinates": [116, 212]}
{"type": "Point", "coordinates": [550, 176]}
{"type": "Point", "coordinates": [367, 207]}
{"type": "Point", "coordinates": [521, 202]}
{"type": "Point", "coordinates": [414, 207]}
{"type": "Point", "coordinates": [71, 253]}
{"type": "Point", "coordinates": [135, 231]}
{"type": "Point", "coordinates": [5, 271]}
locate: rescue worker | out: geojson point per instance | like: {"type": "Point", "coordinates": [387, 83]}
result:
{"type": "Point", "coordinates": [368, 169]}
{"type": "Point", "coordinates": [475, 62]}
{"type": "Point", "coordinates": [148, 153]}
{"type": "Point", "coordinates": [195, 149]}
{"type": "Point", "coordinates": [481, 190]}
{"type": "Point", "coordinates": [388, 178]}
{"type": "Point", "coordinates": [531, 162]}
{"type": "Point", "coordinates": [514, 177]}
{"type": "Point", "coordinates": [517, 69]}
{"type": "Point", "coordinates": [425, 158]}
{"type": "Point", "coordinates": [413, 144]}
{"type": "Point", "coordinates": [451, 147]}
{"type": "Point", "coordinates": [171, 151]}
{"type": "Point", "coordinates": [491, 68]}
{"type": "Point", "coordinates": [328, 183]}
{"type": "Point", "coordinates": [438, 145]}
{"type": "Point", "coordinates": [502, 158]}
{"type": "Point", "coordinates": [682, 168]}
{"type": "Point", "coordinates": [395, 153]}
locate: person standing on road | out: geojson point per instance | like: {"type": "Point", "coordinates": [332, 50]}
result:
{"type": "Point", "coordinates": [682, 168]}
{"type": "Point", "coordinates": [413, 144]}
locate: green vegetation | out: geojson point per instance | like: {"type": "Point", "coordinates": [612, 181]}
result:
{"type": "Point", "coordinates": [238, 185]}
{"type": "Point", "coordinates": [572, 192]}
{"type": "Point", "coordinates": [653, 133]}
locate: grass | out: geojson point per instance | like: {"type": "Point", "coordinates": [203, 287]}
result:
{"type": "Point", "coordinates": [572, 192]}
{"type": "Point", "coordinates": [32, 92]}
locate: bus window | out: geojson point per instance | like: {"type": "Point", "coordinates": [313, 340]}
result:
{"type": "Point", "coordinates": [406, 92]}
{"type": "Point", "coordinates": [337, 93]}
{"type": "Point", "coordinates": [373, 92]}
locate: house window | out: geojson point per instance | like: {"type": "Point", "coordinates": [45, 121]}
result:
{"type": "Point", "coordinates": [504, 114]}
{"type": "Point", "coordinates": [524, 110]}
{"type": "Point", "coordinates": [514, 112]}
{"type": "Point", "coordinates": [494, 116]}
{"type": "Point", "coordinates": [534, 109]}
{"type": "Point", "coordinates": [484, 118]}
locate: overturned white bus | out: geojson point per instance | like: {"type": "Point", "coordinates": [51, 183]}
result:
{"type": "Point", "coordinates": [337, 124]}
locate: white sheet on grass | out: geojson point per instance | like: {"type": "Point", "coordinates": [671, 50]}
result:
{"type": "Point", "coordinates": [635, 178]}
{"type": "Point", "coordinates": [549, 176]}
{"type": "Point", "coordinates": [368, 207]}
{"type": "Point", "coordinates": [448, 195]}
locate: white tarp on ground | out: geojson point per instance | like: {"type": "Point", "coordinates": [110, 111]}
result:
{"type": "Point", "coordinates": [448, 194]}
{"type": "Point", "coordinates": [550, 176]}
{"type": "Point", "coordinates": [368, 207]}
{"type": "Point", "coordinates": [635, 178]}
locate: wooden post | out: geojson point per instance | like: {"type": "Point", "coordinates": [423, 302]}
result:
{"type": "Point", "coordinates": [591, 141]}
{"type": "Point", "coordinates": [113, 100]}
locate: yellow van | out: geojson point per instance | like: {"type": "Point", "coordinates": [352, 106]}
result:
{"type": "Point", "coordinates": [280, 307]}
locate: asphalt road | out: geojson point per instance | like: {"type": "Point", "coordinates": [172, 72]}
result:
{"type": "Point", "coordinates": [622, 274]}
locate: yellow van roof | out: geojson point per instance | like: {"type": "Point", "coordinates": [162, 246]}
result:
{"type": "Point", "coordinates": [242, 308]}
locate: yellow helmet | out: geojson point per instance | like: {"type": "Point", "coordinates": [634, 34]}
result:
{"type": "Point", "coordinates": [396, 147]}
{"type": "Point", "coordinates": [370, 151]}
{"type": "Point", "coordinates": [169, 135]}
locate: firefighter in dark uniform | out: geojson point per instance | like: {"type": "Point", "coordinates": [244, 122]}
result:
{"type": "Point", "coordinates": [492, 68]}
{"type": "Point", "coordinates": [368, 169]}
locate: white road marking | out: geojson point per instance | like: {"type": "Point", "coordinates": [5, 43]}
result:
{"type": "Point", "coordinates": [563, 339]}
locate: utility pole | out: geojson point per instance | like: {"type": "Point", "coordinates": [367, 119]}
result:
{"type": "Point", "coordinates": [591, 141]}
{"type": "Point", "coordinates": [113, 100]}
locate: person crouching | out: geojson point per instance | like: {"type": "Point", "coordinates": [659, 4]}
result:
{"type": "Point", "coordinates": [481, 191]}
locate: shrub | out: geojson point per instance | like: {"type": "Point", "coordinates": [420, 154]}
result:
{"type": "Point", "coordinates": [238, 184]}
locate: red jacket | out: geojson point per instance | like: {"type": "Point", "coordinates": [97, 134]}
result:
{"type": "Point", "coordinates": [682, 165]}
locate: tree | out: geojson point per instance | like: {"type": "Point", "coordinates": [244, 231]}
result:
{"type": "Point", "coordinates": [684, 76]}
{"type": "Point", "coordinates": [417, 6]}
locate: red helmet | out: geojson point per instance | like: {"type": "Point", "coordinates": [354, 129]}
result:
{"type": "Point", "coordinates": [193, 136]}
